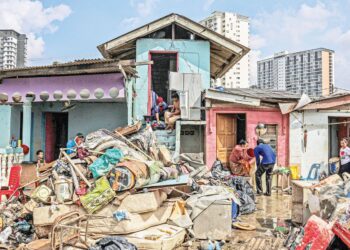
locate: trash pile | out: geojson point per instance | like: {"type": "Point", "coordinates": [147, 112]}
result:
{"type": "Point", "coordinates": [329, 212]}
{"type": "Point", "coordinates": [124, 191]}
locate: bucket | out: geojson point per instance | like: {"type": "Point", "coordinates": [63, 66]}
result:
{"type": "Point", "coordinates": [294, 169]}
{"type": "Point", "coordinates": [250, 152]}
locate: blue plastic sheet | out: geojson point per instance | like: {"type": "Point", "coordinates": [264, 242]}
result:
{"type": "Point", "coordinates": [104, 164]}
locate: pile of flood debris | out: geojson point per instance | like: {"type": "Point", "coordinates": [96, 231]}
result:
{"type": "Point", "coordinates": [124, 191]}
{"type": "Point", "coordinates": [328, 213]}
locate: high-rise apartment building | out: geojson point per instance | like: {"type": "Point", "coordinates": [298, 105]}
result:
{"type": "Point", "coordinates": [13, 49]}
{"type": "Point", "coordinates": [236, 28]}
{"type": "Point", "coordinates": [310, 72]}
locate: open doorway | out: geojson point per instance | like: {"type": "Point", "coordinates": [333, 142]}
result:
{"type": "Point", "coordinates": [230, 129]}
{"type": "Point", "coordinates": [56, 134]}
{"type": "Point", "coordinates": [339, 128]}
{"type": "Point", "coordinates": [163, 63]}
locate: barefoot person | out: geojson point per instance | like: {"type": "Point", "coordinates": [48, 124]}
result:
{"type": "Point", "coordinates": [172, 116]}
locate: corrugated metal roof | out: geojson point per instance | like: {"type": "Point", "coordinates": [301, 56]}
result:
{"type": "Point", "coordinates": [263, 94]}
{"type": "Point", "coordinates": [57, 65]}
{"type": "Point", "coordinates": [77, 67]}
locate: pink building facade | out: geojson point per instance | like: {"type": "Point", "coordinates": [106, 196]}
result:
{"type": "Point", "coordinates": [253, 116]}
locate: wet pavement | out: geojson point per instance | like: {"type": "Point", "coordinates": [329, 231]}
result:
{"type": "Point", "coordinates": [271, 212]}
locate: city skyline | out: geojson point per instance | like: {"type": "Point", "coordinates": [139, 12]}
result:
{"type": "Point", "coordinates": [13, 49]}
{"type": "Point", "coordinates": [53, 25]}
{"type": "Point", "coordinates": [235, 27]}
{"type": "Point", "coordinates": [309, 71]}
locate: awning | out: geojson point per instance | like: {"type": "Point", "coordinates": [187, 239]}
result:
{"type": "Point", "coordinates": [63, 88]}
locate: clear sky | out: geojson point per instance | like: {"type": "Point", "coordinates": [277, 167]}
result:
{"type": "Point", "coordinates": [63, 30]}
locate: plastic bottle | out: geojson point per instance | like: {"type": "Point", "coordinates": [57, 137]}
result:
{"type": "Point", "coordinates": [4, 235]}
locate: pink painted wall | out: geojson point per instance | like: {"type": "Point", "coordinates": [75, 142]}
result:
{"type": "Point", "coordinates": [253, 117]}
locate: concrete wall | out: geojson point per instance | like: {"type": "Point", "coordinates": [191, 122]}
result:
{"type": "Point", "coordinates": [317, 142]}
{"type": "Point", "coordinates": [194, 57]}
{"type": "Point", "coordinates": [253, 117]}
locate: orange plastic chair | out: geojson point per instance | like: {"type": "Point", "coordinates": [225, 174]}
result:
{"type": "Point", "coordinates": [14, 183]}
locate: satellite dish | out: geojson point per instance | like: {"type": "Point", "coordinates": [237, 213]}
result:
{"type": "Point", "coordinates": [68, 106]}
{"type": "Point", "coordinates": [261, 129]}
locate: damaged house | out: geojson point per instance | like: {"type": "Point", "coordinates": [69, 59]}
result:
{"type": "Point", "coordinates": [315, 133]}
{"type": "Point", "coordinates": [103, 94]}
{"type": "Point", "coordinates": [248, 114]}
{"type": "Point", "coordinates": [46, 106]}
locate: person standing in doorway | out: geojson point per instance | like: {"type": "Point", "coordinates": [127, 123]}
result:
{"type": "Point", "coordinates": [264, 165]}
{"type": "Point", "coordinates": [172, 116]}
{"type": "Point", "coordinates": [344, 157]}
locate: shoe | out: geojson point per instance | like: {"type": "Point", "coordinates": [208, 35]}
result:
{"type": "Point", "coordinates": [267, 194]}
{"type": "Point", "coordinates": [259, 194]}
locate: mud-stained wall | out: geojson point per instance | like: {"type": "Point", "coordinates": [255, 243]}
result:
{"type": "Point", "coordinates": [309, 138]}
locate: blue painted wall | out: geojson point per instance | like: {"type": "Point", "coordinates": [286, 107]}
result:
{"type": "Point", "coordinates": [85, 118]}
{"type": "Point", "coordinates": [5, 125]}
{"type": "Point", "coordinates": [194, 57]}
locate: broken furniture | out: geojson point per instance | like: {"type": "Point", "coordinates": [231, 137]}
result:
{"type": "Point", "coordinates": [162, 237]}
{"type": "Point", "coordinates": [282, 180]}
{"type": "Point", "coordinates": [342, 233]}
{"type": "Point", "coordinates": [14, 183]}
{"type": "Point", "coordinates": [218, 227]}
{"type": "Point", "coordinates": [300, 194]}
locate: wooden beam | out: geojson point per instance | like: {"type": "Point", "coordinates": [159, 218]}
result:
{"type": "Point", "coordinates": [132, 62]}
{"type": "Point", "coordinates": [219, 58]}
{"type": "Point", "coordinates": [173, 31]}
{"type": "Point", "coordinates": [125, 54]}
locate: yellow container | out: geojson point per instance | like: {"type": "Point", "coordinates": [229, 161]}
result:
{"type": "Point", "coordinates": [294, 169]}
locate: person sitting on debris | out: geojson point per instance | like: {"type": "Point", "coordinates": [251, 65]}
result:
{"type": "Point", "coordinates": [73, 145]}
{"type": "Point", "coordinates": [158, 106]}
{"type": "Point", "coordinates": [241, 159]}
{"type": "Point", "coordinates": [172, 116]}
{"type": "Point", "coordinates": [41, 164]}
{"type": "Point", "coordinates": [265, 164]}
{"type": "Point", "coordinates": [344, 157]}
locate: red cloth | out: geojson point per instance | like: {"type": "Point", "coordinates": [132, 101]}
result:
{"type": "Point", "coordinates": [318, 233]}
{"type": "Point", "coordinates": [159, 100]}
{"type": "Point", "coordinates": [240, 161]}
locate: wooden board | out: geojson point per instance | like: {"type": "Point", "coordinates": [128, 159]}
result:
{"type": "Point", "coordinates": [226, 134]}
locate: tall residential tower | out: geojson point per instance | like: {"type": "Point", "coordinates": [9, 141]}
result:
{"type": "Point", "coordinates": [236, 28]}
{"type": "Point", "coordinates": [13, 49]}
{"type": "Point", "coordinates": [310, 72]}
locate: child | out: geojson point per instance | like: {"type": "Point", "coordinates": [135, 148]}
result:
{"type": "Point", "coordinates": [172, 116]}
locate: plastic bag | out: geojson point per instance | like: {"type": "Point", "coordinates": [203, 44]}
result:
{"type": "Point", "coordinates": [113, 243]}
{"type": "Point", "coordinates": [99, 197]}
{"type": "Point", "coordinates": [105, 163]}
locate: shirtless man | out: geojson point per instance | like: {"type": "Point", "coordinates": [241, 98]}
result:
{"type": "Point", "coordinates": [172, 116]}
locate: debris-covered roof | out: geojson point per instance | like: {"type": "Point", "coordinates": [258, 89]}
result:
{"type": "Point", "coordinates": [84, 66]}
{"type": "Point", "coordinates": [252, 96]}
{"type": "Point", "coordinates": [331, 101]}
{"type": "Point", "coordinates": [224, 52]}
